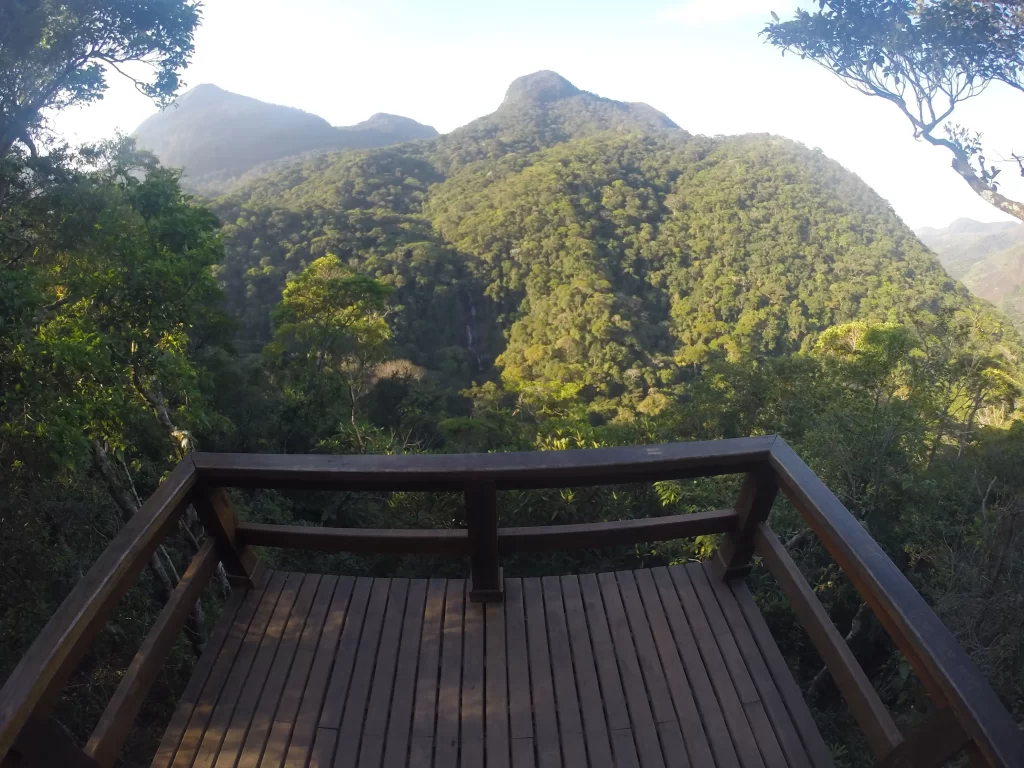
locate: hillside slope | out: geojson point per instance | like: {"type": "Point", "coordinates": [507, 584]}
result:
{"type": "Point", "coordinates": [579, 242]}
{"type": "Point", "coordinates": [217, 136]}
{"type": "Point", "coordinates": [987, 257]}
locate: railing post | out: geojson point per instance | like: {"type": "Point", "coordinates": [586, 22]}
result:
{"type": "Point", "coordinates": [482, 522]}
{"type": "Point", "coordinates": [220, 519]}
{"type": "Point", "coordinates": [760, 487]}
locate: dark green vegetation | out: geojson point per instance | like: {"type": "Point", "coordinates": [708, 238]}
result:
{"type": "Point", "coordinates": [925, 57]}
{"type": "Point", "coordinates": [987, 258]}
{"type": "Point", "coordinates": [565, 273]}
{"type": "Point", "coordinates": [217, 136]}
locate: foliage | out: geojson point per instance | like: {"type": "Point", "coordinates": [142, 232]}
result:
{"type": "Point", "coordinates": [55, 55]}
{"type": "Point", "coordinates": [925, 58]}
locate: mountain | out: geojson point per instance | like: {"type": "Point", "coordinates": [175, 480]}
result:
{"type": "Point", "coordinates": [574, 243]}
{"type": "Point", "coordinates": [217, 136]}
{"type": "Point", "coordinates": [987, 257]}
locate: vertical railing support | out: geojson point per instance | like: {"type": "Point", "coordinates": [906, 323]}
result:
{"type": "Point", "coordinates": [482, 522]}
{"type": "Point", "coordinates": [220, 519]}
{"type": "Point", "coordinates": [733, 558]}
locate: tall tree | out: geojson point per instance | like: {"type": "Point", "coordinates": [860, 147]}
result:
{"type": "Point", "coordinates": [55, 54]}
{"type": "Point", "coordinates": [925, 57]}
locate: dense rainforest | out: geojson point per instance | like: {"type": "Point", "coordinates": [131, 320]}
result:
{"type": "Point", "coordinates": [567, 272]}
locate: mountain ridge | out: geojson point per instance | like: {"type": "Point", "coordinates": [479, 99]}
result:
{"type": "Point", "coordinates": [217, 136]}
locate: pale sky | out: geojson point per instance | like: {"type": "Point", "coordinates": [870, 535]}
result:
{"type": "Point", "coordinates": [446, 62]}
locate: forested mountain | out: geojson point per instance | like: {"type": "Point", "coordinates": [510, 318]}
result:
{"type": "Point", "coordinates": [577, 241]}
{"type": "Point", "coordinates": [216, 136]}
{"type": "Point", "coordinates": [987, 257]}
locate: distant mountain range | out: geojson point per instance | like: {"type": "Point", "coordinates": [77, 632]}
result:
{"type": "Point", "coordinates": [986, 257]}
{"type": "Point", "coordinates": [217, 136]}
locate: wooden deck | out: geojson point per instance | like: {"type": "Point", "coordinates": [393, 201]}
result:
{"type": "Point", "coordinates": [649, 668]}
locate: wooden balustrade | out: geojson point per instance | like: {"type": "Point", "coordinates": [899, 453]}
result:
{"type": "Point", "coordinates": [970, 714]}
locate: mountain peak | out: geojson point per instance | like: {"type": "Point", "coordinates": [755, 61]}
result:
{"type": "Point", "coordinates": [540, 86]}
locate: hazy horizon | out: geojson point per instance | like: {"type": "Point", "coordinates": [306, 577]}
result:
{"type": "Point", "coordinates": [700, 62]}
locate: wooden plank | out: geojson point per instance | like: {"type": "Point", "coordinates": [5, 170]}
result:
{"type": "Point", "coordinates": [929, 646]}
{"type": "Point", "coordinates": [200, 674]}
{"type": "Point", "coordinates": [526, 469]}
{"type": "Point", "coordinates": [239, 706]}
{"type": "Point", "coordinates": [646, 653]}
{"type": "Point", "coordinates": [304, 731]}
{"type": "Point", "coordinates": [482, 526]}
{"type": "Point", "coordinates": [640, 714]}
{"type": "Point", "coordinates": [357, 700]}
{"type": "Point", "coordinates": [119, 716]}
{"type": "Point", "coordinates": [496, 704]}
{"type": "Point", "coordinates": [545, 715]}
{"type": "Point", "coordinates": [427, 684]}
{"type": "Point", "coordinates": [229, 673]}
{"type": "Point", "coordinates": [570, 724]}
{"type": "Point", "coordinates": [446, 740]}
{"type": "Point", "coordinates": [371, 749]}
{"type": "Point", "coordinates": [616, 533]}
{"type": "Point", "coordinates": [42, 745]}
{"type": "Point", "coordinates": [220, 520]}
{"type": "Point", "coordinates": [867, 708]}
{"type": "Point", "coordinates": [594, 727]}
{"type": "Point", "coordinates": [931, 744]}
{"type": "Point", "coordinates": [322, 753]}
{"type": "Point", "coordinates": [291, 696]}
{"type": "Point", "coordinates": [760, 487]}
{"type": "Point", "coordinates": [768, 693]}
{"type": "Point", "coordinates": [520, 702]}
{"type": "Point", "coordinates": [713, 720]}
{"type": "Point", "coordinates": [400, 722]}
{"type": "Point", "coordinates": [36, 681]}
{"type": "Point", "coordinates": [711, 657]}
{"type": "Point", "coordinates": [764, 734]}
{"type": "Point", "coordinates": [696, 740]}
{"type": "Point", "coordinates": [619, 726]}
{"type": "Point", "coordinates": [523, 753]}
{"type": "Point", "coordinates": [472, 709]}
{"type": "Point", "coordinates": [817, 751]}
{"type": "Point", "coordinates": [277, 745]}
{"type": "Point", "coordinates": [270, 697]}
{"type": "Point", "coordinates": [345, 657]}
{"type": "Point", "coordinates": [411, 541]}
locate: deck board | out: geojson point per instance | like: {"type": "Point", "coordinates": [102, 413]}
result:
{"type": "Point", "coordinates": [666, 667]}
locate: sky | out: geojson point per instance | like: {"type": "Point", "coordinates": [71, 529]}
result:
{"type": "Point", "coordinates": [447, 62]}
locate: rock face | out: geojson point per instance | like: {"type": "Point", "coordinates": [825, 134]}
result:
{"type": "Point", "coordinates": [216, 136]}
{"type": "Point", "coordinates": [540, 86]}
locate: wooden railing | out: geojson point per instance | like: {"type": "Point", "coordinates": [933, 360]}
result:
{"type": "Point", "coordinates": [968, 714]}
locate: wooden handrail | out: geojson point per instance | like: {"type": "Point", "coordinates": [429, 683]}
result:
{"type": "Point", "coordinates": [867, 708]}
{"type": "Point", "coordinates": [36, 682]}
{"type": "Point", "coordinates": [947, 671]}
{"type": "Point", "coordinates": [767, 461]}
{"type": "Point", "coordinates": [117, 719]}
{"type": "Point", "coordinates": [451, 472]}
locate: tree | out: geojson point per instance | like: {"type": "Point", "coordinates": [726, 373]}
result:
{"type": "Point", "coordinates": [925, 57]}
{"type": "Point", "coordinates": [331, 334]}
{"type": "Point", "coordinates": [54, 54]}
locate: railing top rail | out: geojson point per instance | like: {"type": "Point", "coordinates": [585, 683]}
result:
{"type": "Point", "coordinates": [527, 469]}
{"type": "Point", "coordinates": [930, 647]}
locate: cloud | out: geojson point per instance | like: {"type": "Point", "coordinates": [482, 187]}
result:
{"type": "Point", "coordinates": [704, 12]}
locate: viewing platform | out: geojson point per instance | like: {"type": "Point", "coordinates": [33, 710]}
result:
{"type": "Point", "coordinates": [666, 666]}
